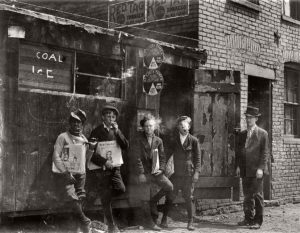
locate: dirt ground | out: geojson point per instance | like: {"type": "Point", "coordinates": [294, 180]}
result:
{"type": "Point", "coordinates": [284, 219]}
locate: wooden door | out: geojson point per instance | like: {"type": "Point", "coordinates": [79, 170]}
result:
{"type": "Point", "coordinates": [216, 115]}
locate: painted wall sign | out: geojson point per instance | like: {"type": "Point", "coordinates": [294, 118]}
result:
{"type": "Point", "coordinates": [44, 68]}
{"type": "Point", "coordinates": [153, 56]}
{"type": "Point", "coordinates": [242, 44]}
{"type": "Point", "coordinates": [153, 82]}
{"type": "Point", "coordinates": [291, 56]}
{"type": "Point", "coordinates": [126, 13]}
{"type": "Point", "coordinates": [142, 11]}
{"type": "Point", "coordinates": [166, 9]}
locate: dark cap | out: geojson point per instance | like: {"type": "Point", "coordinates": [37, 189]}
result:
{"type": "Point", "coordinates": [79, 115]}
{"type": "Point", "coordinates": [252, 111]}
{"type": "Point", "coordinates": [110, 108]}
{"type": "Point", "coordinates": [183, 118]}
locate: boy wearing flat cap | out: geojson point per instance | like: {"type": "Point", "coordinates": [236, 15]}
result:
{"type": "Point", "coordinates": [251, 163]}
{"type": "Point", "coordinates": [72, 184]}
{"type": "Point", "coordinates": [187, 162]}
{"type": "Point", "coordinates": [110, 182]}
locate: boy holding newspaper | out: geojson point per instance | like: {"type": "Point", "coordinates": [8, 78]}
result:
{"type": "Point", "coordinates": [69, 158]}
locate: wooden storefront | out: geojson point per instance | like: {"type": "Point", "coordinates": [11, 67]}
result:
{"type": "Point", "coordinates": [50, 66]}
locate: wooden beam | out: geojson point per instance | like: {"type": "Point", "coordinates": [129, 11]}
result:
{"type": "Point", "coordinates": [211, 182]}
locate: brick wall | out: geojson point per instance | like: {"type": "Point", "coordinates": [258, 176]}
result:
{"type": "Point", "coordinates": [220, 19]}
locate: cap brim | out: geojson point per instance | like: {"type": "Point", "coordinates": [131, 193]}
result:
{"type": "Point", "coordinates": [73, 115]}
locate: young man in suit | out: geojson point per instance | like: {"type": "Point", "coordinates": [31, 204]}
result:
{"type": "Point", "coordinates": [110, 181]}
{"type": "Point", "coordinates": [251, 163]}
{"type": "Point", "coordinates": [187, 162]}
{"type": "Point", "coordinates": [144, 149]}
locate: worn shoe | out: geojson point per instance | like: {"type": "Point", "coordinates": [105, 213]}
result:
{"type": "Point", "coordinates": [244, 223]}
{"type": "Point", "coordinates": [113, 229]}
{"type": "Point", "coordinates": [190, 226]}
{"type": "Point", "coordinates": [155, 228]}
{"type": "Point", "coordinates": [164, 222]}
{"type": "Point", "coordinates": [255, 226]}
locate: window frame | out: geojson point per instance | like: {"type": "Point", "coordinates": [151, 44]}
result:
{"type": "Point", "coordinates": [294, 106]}
{"type": "Point", "coordinates": [74, 72]}
{"type": "Point", "coordinates": [98, 76]}
{"type": "Point", "coordinates": [248, 4]}
{"type": "Point", "coordinates": [286, 12]}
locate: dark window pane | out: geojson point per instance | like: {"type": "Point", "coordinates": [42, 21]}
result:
{"type": "Point", "coordinates": [91, 64]}
{"type": "Point", "coordinates": [295, 9]}
{"type": "Point", "coordinates": [98, 86]}
{"type": "Point", "coordinates": [254, 1]}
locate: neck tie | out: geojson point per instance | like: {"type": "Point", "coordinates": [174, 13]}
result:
{"type": "Point", "coordinates": [248, 137]}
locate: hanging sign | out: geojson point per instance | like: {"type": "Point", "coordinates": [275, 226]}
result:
{"type": "Point", "coordinates": [153, 82]}
{"type": "Point", "coordinates": [153, 56]}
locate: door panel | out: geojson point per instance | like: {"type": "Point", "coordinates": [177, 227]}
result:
{"type": "Point", "coordinates": [216, 114]}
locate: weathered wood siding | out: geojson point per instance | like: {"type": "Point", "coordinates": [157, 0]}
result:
{"type": "Point", "coordinates": [31, 119]}
{"type": "Point", "coordinates": [216, 114]}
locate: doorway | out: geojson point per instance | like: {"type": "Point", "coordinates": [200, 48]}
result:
{"type": "Point", "coordinates": [176, 96]}
{"type": "Point", "coordinates": [260, 95]}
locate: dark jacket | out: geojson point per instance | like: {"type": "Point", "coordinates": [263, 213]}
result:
{"type": "Point", "coordinates": [102, 134]}
{"type": "Point", "coordinates": [187, 157]}
{"type": "Point", "coordinates": [256, 155]}
{"type": "Point", "coordinates": [141, 151]}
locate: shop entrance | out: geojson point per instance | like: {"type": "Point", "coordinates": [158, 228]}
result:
{"type": "Point", "coordinates": [260, 95]}
{"type": "Point", "coordinates": [176, 96]}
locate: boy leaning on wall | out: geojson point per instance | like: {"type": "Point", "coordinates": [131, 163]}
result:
{"type": "Point", "coordinates": [69, 158]}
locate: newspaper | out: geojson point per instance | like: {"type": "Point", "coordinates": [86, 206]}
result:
{"type": "Point", "coordinates": [109, 150]}
{"type": "Point", "coordinates": [73, 157]}
{"type": "Point", "coordinates": [155, 161]}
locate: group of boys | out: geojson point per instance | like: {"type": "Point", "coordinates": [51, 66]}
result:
{"type": "Point", "coordinates": [183, 146]}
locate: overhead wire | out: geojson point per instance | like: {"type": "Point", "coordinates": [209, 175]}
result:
{"type": "Point", "coordinates": [101, 20]}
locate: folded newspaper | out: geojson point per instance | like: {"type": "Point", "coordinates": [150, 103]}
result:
{"type": "Point", "coordinates": [155, 161]}
{"type": "Point", "coordinates": [109, 150]}
{"type": "Point", "coordinates": [73, 157]}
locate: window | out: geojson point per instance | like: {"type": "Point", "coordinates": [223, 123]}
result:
{"type": "Point", "coordinates": [99, 76]}
{"type": "Point", "coordinates": [45, 67]}
{"type": "Point", "coordinates": [291, 8]}
{"type": "Point", "coordinates": [254, 1]}
{"type": "Point", "coordinates": [292, 103]}
{"type": "Point", "coordinates": [250, 4]}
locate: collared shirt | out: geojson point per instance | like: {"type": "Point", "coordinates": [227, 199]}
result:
{"type": "Point", "coordinates": [182, 138]}
{"type": "Point", "coordinates": [150, 139]}
{"type": "Point", "coordinates": [106, 127]}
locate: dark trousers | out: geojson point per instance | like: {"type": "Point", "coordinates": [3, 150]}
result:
{"type": "Point", "coordinates": [166, 187]}
{"type": "Point", "coordinates": [111, 184]}
{"type": "Point", "coordinates": [186, 185]}
{"type": "Point", "coordinates": [253, 199]}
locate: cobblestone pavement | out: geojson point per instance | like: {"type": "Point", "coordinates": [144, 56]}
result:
{"type": "Point", "coordinates": [283, 219]}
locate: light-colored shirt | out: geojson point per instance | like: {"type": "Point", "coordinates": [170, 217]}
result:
{"type": "Point", "coordinates": [62, 140]}
{"type": "Point", "coordinates": [182, 138]}
{"type": "Point", "coordinates": [149, 139]}
{"type": "Point", "coordinates": [106, 127]}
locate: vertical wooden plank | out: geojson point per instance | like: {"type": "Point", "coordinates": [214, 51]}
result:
{"type": "Point", "coordinates": [232, 123]}
{"type": "Point", "coordinates": [10, 73]}
{"type": "Point", "coordinates": [219, 135]}
{"type": "Point", "coordinates": [202, 125]}
{"type": "Point", "coordinates": [2, 100]}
